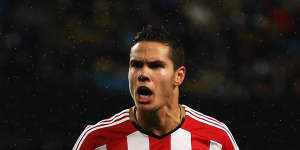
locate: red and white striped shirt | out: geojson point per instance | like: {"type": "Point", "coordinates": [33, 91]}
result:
{"type": "Point", "coordinates": [119, 132]}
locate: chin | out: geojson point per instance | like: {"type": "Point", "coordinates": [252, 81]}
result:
{"type": "Point", "coordinates": [145, 107]}
{"type": "Point", "coordinates": [148, 107]}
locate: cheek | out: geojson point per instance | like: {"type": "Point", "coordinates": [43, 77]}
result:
{"type": "Point", "coordinates": [131, 77]}
{"type": "Point", "coordinates": [163, 74]}
{"type": "Point", "coordinates": [130, 80]}
{"type": "Point", "coordinates": [167, 75]}
{"type": "Point", "coordinates": [165, 79]}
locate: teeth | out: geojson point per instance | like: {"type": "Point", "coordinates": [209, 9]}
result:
{"type": "Point", "coordinates": [144, 96]}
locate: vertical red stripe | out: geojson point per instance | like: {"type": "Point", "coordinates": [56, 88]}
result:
{"type": "Point", "coordinates": [160, 144]}
{"type": "Point", "coordinates": [198, 143]}
{"type": "Point", "coordinates": [120, 144]}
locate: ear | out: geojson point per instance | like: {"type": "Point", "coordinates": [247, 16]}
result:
{"type": "Point", "coordinates": [179, 75]}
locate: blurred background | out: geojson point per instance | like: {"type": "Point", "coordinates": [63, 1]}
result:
{"type": "Point", "coordinates": [64, 63]}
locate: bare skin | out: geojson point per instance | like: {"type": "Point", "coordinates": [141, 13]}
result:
{"type": "Point", "coordinates": [151, 67]}
{"type": "Point", "coordinates": [159, 122]}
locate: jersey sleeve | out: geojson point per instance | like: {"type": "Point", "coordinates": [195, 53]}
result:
{"type": "Point", "coordinates": [228, 141]}
{"type": "Point", "coordinates": [86, 140]}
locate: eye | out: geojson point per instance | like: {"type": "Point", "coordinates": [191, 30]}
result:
{"type": "Point", "coordinates": [136, 64]}
{"type": "Point", "coordinates": [155, 65]}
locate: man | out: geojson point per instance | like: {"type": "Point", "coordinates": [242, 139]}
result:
{"type": "Point", "coordinates": [157, 121]}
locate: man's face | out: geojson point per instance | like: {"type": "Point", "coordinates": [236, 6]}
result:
{"type": "Point", "coordinates": [151, 75]}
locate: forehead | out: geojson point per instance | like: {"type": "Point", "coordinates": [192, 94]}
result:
{"type": "Point", "coordinates": [150, 50]}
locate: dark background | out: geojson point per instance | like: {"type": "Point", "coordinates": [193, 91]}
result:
{"type": "Point", "coordinates": [64, 63]}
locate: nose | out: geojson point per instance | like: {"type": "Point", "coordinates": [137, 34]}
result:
{"type": "Point", "coordinates": [143, 75]}
{"type": "Point", "coordinates": [143, 78]}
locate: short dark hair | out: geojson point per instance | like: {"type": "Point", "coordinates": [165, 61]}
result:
{"type": "Point", "coordinates": [161, 34]}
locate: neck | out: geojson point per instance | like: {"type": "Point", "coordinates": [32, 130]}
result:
{"type": "Point", "coordinates": [162, 120]}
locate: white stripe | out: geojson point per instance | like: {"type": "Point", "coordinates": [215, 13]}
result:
{"type": "Point", "coordinates": [98, 124]}
{"type": "Point", "coordinates": [211, 119]}
{"type": "Point", "coordinates": [85, 134]}
{"type": "Point", "coordinates": [116, 115]}
{"type": "Point", "coordinates": [138, 141]}
{"type": "Point", "coordinates": [208, 119]}
{"type": "Point", "coordinates": [105, 121]}
{"type": "Point", "coordinates": [114, 119]}
{"type": "Point", "coordinates": [215, 145]}
{"type": "Point", "coordinates": [103, 147]}
{"type": "Point", "coordinates": [217, 126]}
{"type": "Point", "coordinates": [181, 140]}
{"type": "Point", "coordinates": [200, 115]}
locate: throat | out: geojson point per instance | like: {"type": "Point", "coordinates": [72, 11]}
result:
{"type": "Point", "coordinates": [159, 123]}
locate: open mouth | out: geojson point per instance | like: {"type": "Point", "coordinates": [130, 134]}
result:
{"type": "Point", "coordinates": [144, 92]}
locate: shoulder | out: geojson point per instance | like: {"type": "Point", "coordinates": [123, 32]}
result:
{"type": "Point", "coordinates": [213, 128]}
{"type": "Point", "coordinates": [112, 121]}
{"type": "Point", "coordinates": [102, 128]}
{"type": "Point", "coordinates": [202, 118]}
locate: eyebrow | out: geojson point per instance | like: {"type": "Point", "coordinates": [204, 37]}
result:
{"type": "Point", "coordinates": [150, 62]}
{"type": "Point", "coordinates": [134, 61]}
{"type": "Point", "coordinates": [159, 62]}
